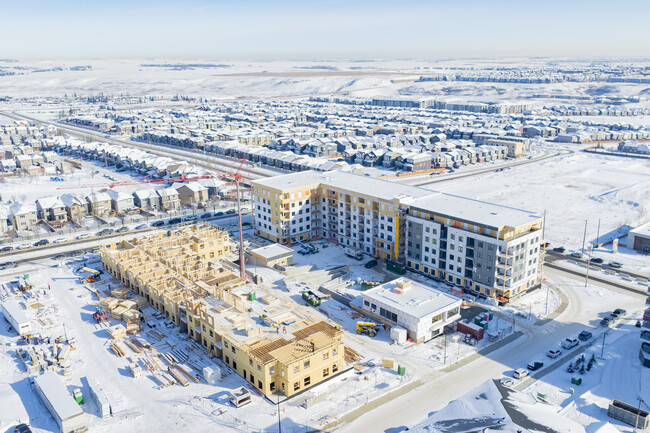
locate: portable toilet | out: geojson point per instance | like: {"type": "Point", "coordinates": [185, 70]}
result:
{"type": "Point", "coordinates": [78, 396]}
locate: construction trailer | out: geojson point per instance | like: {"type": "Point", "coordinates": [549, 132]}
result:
{"type": "Point", "coordinates": [61, 405]}
{"type": "Point", "coordinates": [628, 414]}
{"type": "Point", "coordinates": [16, 317]}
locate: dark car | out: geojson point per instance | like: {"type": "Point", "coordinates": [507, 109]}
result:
{"type": "Point", "coordinates": [174, 221]}
{"type": "Point", "coordinates": [158, 223]}
{"type": "Point", "coordinates": [22, 428]}
{"type": "Point", "coordinates": [141, 226]}
{"type": "Point", "coordinates": [207, 215]}
{"type": "Point", "coordinates": [605, 322]}
{"type": "Point", "coordinates": [584, 336]}
{"type": "Point", "coordinates": [5, 249]}
{"type": "Point", "coordinates": [535, 365]}
{"type": "Point", "coordinates": [618, 313]}
{"type": "Point", "coordinates": [231, 211]}
{"type": "Point", "coordinates": [559, 249]}
{"type": "Point", "coordinates": [218, 214]}
{"type": "Point", "coordinates": [371, 264]}
{"type": "Point", "coordinates": [121, 229]}
{"type": "Point", "coordinates": [596, 260]}
{"type": "Point", "coordinates": [41, 242]}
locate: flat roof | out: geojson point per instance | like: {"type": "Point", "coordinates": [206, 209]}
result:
{"type": "Point", "coordinates": [453, 206]}
{"type": "Point", "coordinates": [11, 307]}
{"type": "Point", "coordinates": [355, 183]}
{"type": "Point", "coordinates": [482, 212]}
{"type": "Point", "coordinates": [58, 396]}
{"type": "Point", "coordinates": [642, 230]}
{"type": "Point", "coordinates": [273, 251]}
{"type": "Point", "coordinates": [419, 300]}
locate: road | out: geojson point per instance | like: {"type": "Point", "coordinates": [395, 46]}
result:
{"type": "Point", "coordinates": [439, 388]}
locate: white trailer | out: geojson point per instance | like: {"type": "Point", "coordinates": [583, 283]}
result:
{"type": "Point", "coordinates": [15, 316]}
{"type": "Point", "coordinates": [355, 253]}
{"type": "Point", "coordinates": [63, 408]}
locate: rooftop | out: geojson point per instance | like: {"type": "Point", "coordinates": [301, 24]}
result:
{"type": "Point", "coordinates": [642, 230]}
{"type": "Point", "coordinates": [273, 250]}
{"type": "Point", "coordinates": [457, 207]}
{"type": "Point", "coordinates": [417, 300]}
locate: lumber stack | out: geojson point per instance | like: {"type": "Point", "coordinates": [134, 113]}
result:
{"type": "Point", "coordinates": [117, 332]}
{"type": "Point", "coordinates": [115, 347]}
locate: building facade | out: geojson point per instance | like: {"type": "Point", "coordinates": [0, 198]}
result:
{"type": "Point", "coordinates": [491, 249]}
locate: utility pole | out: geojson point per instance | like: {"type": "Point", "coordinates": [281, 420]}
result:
{"type": "Point", "coordinates": [602, 350]}
{"type": "Point", "coordinates": [584, 237]}
{"type": "Point", "coordinates": [597, 233]}
{"type": "Point", "coordinates": [544, 227]}
{"type": "Point", "coordinates": [588, 263]}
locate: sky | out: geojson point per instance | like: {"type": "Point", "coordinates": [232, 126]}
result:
{"type": "Point", "coordinates": [284, 29]}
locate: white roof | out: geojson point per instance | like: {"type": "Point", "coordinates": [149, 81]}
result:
{"type": "Point", "coordinates": [50, 202]}
{"type": "Point", "coordinates": [22, 208]}
{"type": "Point", "coordinates": [58, 396]}
{"type": "Point", "coordinates": [98, 196]}
{"type": "Point", "coordinates": [273, 250]}
{"type": "Point", "coordinates": [642, 230]}
{"type": "Point", "coordinates": [419, 300]}
{"type": "Point", "coordinates": [12, 308]}
{"type": "Point", "coordinates": [476, 211]}
{"type": "Point", "coordinates": [119, 195]}
{"type": "Point", "coordinates": [69, 200]}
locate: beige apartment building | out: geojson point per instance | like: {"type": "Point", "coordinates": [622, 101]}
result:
{"type": "Point", "coordinates": [269, 344]}
{"type": "Point", "coordinates": [490, 249]}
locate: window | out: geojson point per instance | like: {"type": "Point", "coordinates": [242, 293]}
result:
{"type": "Point", "coordinates": [326, 355]}
{"type": "Point", "coordinates": [233, 349]}
{"type": "Point", "coordinates": [334, 352]}
{"type": "Point", "coordinates": [296, 368]}
{"type": "Point", "coordinates": [259, 384]}
{"type": "Point", "coordinates": [335, 368]}
{"type": "Point", "coordinates": [436, 318]}
{"type": "Point", "coordinates": [227, 361]}
{"type": "Point", "coordinates": [306, 365]}
{"type": "Point", "coordinates": [307, 380]}
{"type": "Point", "coordinates": [250, 362]}
{"type": "Point", "coordinates": [259, 368]}
{"type": "Point", "coordinates": [296, 386]}
{"type": "Point", "coordinates": [272, 370]}
{"type": "Point", "coordinates": [326, 372]}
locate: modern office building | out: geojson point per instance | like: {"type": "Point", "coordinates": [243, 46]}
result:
{"type": "Point", "coordinates": [490, 249]}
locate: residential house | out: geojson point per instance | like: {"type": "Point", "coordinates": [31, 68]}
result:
{"type": "Point", "coordinates": [75, 207]}
{"type": "Point", "coordinates": [23, 216]}
{"type": "Point", "coordinates": [121, 202]}
{"type": "Point", "coordinates": [168, 198]}
{"type": "Point", "coordinates": [52, 210]}
{"type": "Point", "coordinates": [146, 199]}
{"type": "Point", "coordinates": [99, 203]}
{"type": "Point", "coordinates": [192, 193]}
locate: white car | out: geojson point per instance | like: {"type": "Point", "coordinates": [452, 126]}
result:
{"type": "Point", "coordinates": [56, 241]}
{"type": "Point", "coordinates": [506, 381]}
{"type": "Point", "coordinates": [83, 236]}
{"type": "Point", "coordinates": [553, 353]}
{"type": "Point", "coordinates": [520, 373]}
{"type": "Point", "coordinates": [23, 246]}
{"type": "Point", "coordinates": [570, 343]}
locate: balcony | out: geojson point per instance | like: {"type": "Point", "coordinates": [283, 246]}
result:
{"type": "Point", "coordinates": [505, 254]}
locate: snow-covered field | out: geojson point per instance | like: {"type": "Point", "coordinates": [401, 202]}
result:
{"type": "Point", "coordinates": [572, 189]}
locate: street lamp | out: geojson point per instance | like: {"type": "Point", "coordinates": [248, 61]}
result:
{"type": "Point", "coordinates": [279, 394]}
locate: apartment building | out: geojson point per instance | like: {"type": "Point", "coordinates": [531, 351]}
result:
{"type": "Point", "coordinates": [352, 210]}
{"type": "Point", "coordinates": [490, 249]}
{"type": "Point", "coordinates": [179, 274]}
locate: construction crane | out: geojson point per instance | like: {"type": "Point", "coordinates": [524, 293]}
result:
{"type": "Point", "coordinates": [235, 176]}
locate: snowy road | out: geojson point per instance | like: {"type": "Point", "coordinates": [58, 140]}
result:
{"type": "Point", "coordinates": [585, 306]}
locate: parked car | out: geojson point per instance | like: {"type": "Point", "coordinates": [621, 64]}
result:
{"type": "Point", "coordinates": [231, 211]}
{"type": "Point", "coordinates": [22, 428]}
{"type": "Point", "coordinates": [371, 264]}
{"type": "Point", "coordinates": [570, 343]}
{"type": "Point", "coordinates": [174, 221]}
{"type": "Point", "coordinates": [157, 223]}
{"type": "Point", "coordinates": [141, 226]}
{"type": "Point", "coordinates": [122, 229]}
{"type": "Point", "coordinates": [606, 322]}
{"type": "Point", "coordinates": [104, 232]}
{"type": "Point", "coordinates": [584, 336]}
{"type": "Point", "coordinates": [520, 373]}
{"type": "Point", "coordinates": [5, 249]}
{"type": "Point", "coordinates": [83, 236]}
{"type": "Point", "coordinates": [23, 246]}
{"type": "Point", "coordinates": [58, 240]}
{"type": "Point", "coordinates": [596, 260]}
{"type": "Point", "coordinates": [559, 249]}
{"type": "Point", "coordinates": [189, 218]}
{"type": "Point", "coordinates": [615, 265]}
{"type": "Point", "coordinates": [506, 381]}
{"type": "Point", "coordinates": [618, 313]}
{"type": "Point", "coordinates": [536, 365]}
{"type": "Point", "coordinates": [218, 214]}
{"type": "Point", "coordinates": [576, 254]}
{"type": "Point", "coordinates": [207, 215]}
{"type": "Point", "coordinates": [41, 243]}
{"type": "Point", "coordinates": [553, 353]}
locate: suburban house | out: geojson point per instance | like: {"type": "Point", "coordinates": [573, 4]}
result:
{"type": "Point", "coordinates": [146, 199]}
{"type": "Point", "coordinates": [23, 216]}
{"type": "Point", "coordinates": [121, 201]}
{"type": "Point", "coordinates": [52, 210]}
{"type": "Point", "coordinates": [192, 193]}
{"type": "Point", "coordinates": [75, 207]}
{"type": "Point", "coordinates": [169, 199]}
{"type": "Point", "coordinates": [99, 203]}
